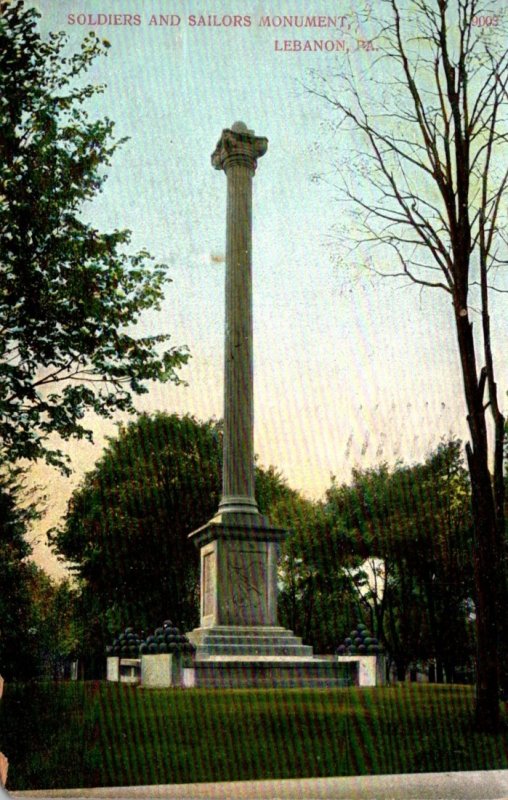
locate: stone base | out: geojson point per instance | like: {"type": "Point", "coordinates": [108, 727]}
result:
{"type": "Point", "coordinates": [248, 641]}
{"type": "Point", "coordinates": [266, 657]}
{"type": "Point", "coordinates": [238, 570]}
{"type": "Point", "coordinates": [239, 643]}
{"type": "Point", "coordinates": [160, 670]}
{"type": "Point", "coordinates": [266, 672]}
{"type": "Point", "coordinates": [370, 669]}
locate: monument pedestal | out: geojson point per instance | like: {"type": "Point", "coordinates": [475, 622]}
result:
{"type": "Point", "coordinates": [238, 570]}
{"type": "Point", "coordinates": [239, 642]}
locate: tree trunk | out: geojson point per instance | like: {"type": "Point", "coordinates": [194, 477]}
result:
{"type": "Point", "coordinates": [487, 586]}
{"type": "Point", "coordinates": [487, 552]}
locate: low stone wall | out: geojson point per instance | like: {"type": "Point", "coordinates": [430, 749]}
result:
{"type": "Point", "coordinates": [123, 670]}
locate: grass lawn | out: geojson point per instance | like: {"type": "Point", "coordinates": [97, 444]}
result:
{"type": "Point", "coordinates": [59, 735]}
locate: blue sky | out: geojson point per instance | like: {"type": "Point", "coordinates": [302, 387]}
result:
{"type": "Point", "coordinates": [349, 369]}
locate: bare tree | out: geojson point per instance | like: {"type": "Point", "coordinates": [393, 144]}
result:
{"type": "Point", "coordinates": [431, 126]}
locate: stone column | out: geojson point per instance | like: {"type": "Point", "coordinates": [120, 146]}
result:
{"type": "Point", "coordinates": [238, 545]}
{"type": "Point", "coordinates": [236, 153]}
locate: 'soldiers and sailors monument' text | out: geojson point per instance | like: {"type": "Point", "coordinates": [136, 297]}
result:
{"type": "Point", "coordinates": [297, 33]}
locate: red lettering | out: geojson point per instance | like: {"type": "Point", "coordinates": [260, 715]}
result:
{"type": "Point", "coordinates": [485, 22]}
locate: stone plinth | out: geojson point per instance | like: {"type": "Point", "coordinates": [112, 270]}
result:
{"type": "Point", "coordinates": [238, 571]}
{"type": "Point", "coordinates": [160, 670]}
{"type": "Point", "coordinates": [112, 669]}
{"type": "Point", "coordinates": [370, 669]}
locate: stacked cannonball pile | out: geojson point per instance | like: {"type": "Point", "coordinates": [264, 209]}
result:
{"type": "Point", "coordinates": [166, 639]}
{"type": "Point", "coordinates": [125, 645]}
{"type": "Point", "coordinates": [360, 642]}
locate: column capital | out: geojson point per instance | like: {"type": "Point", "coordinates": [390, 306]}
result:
{"type": "Point", "coordinates": [238, 145]}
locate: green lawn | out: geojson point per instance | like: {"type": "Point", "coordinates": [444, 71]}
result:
{"type": "Point", "coordinates": [90, 734]}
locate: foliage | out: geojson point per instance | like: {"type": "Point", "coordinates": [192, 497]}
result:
{"type": "Point", "coordinates": [56, 629]}
{"type": "Point", "coordinates": [126, 527]}
{"type": "Point", "coordinates": [18, 657]}
{"type": "Point", "coordinates": [94, 734]}
{"type": "Point", "coordinates": [432, 140]}
{"type": "Point", "coordinates": [69, 294]}
{"type": "Point", "coordinates": [317, 600]}
{"type": "Point", "coordinates": [416, 522]}
{"type": "Point", "coordinates": [37, 625]}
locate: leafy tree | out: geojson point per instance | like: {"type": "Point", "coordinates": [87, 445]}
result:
{"type": "Point", "coordinates": [69, 294]}
{"type": "Point", "coordinates": [18, 658]}
{"type": "Point", "coordinates": [417, 521]}
{"type": "Point", "coordinates": [126, 528]}
{"type": "Point", "coordinates": [318, 600]}
{"type": "Point", "coordinates": [56, 631]}
{"type": "Point", "coordinates": [430, 122]}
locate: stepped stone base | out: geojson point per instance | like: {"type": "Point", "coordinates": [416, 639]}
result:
{"type": "Point", "coordinates": [233, 657]}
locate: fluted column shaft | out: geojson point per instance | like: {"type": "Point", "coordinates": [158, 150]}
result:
{"type": "Point", "coordinates": [238, 464]}
{"type": "Point", "coordinates": [236, 154]}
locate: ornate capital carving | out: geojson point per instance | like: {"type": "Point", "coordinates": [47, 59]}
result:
{"type": "Point", "coordinates": [238, 145]}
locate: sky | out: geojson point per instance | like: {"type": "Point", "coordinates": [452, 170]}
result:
{"type": "Point", "coordinates": [350, 369]}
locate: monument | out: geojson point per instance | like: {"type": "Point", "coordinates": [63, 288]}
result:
{"type": "Point", "coordinates": [239, 641]}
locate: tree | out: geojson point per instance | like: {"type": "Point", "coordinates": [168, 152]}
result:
{"type": "Point", "coordinates": [18, 659]}
{"type": "Point", "coordinates": [69, 294]}
{"type": "Point", "coordinates": [55, 632]}
{"type": "Point", "coordinates": [127, 524]}
{"type": "Point", "coordinates": [431, 135]}
{"type": "Point", "coordinates": [317, 600]}
{"type": "Point", "coordinates": [416, 522]}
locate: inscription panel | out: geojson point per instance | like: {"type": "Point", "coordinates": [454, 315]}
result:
{"type": "Point", "coordinates": [208, 583]}
{"type": "Point", "coordinates": [247, 584]}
